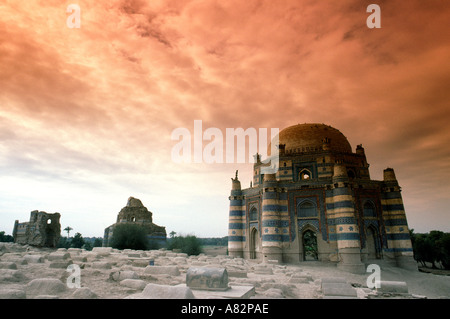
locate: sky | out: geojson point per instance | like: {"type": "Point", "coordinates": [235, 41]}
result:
{"type": "Point", "coordinates": [86, 114]}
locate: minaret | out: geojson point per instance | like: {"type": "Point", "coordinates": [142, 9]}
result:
{"type": "Point", "coordinates": [397, 231]}
{"type": "Point", "coordinates": [347, 230]}
{"type": "Point", "coordinates": [236, 220]}
{"type": "Point", "coordinates": [364, 168]}
{"type": "Point", "coordinates": [271, 225]}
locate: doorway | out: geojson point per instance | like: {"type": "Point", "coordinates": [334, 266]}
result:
{"type": "Point", "coordinates": [254, 243]}
{"type": "Point", "coordinates": [372, 243]}
{"type": "Point", "coordinates": [309, 243]}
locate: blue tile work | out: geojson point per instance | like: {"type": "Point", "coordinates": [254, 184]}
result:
{"type": "Point", "coordinates": [275, 223]}
{"type": "Point", "coordinates": [361, 197]}
{"type": "Point", "coordinates": [236, 225]}
{"type": "Point", "coordinates": [308, 222]}
{"type": "Point", "coordinates": [250, 202]}
{"type": "Point", "coordinates": [395, 221]}
{"type": "Point", "coordinates": [295, 196]}
{"type": "Point", "coordinates": [393, 207]}
{"type": "Point", "coordinates": [395, 250]}
{"type": "Point", "coordinates": [236, 238]}
{"type": "Point", "coordinates": [298, 166]}
{"type": "Point", "coordinates": [275, 237]}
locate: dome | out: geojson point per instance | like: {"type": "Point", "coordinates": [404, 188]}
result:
{"type": "Point", "coordinates": [312, 137]}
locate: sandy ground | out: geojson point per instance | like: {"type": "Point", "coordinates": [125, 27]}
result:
{"type": "Point", "coordinates": [100, 273]}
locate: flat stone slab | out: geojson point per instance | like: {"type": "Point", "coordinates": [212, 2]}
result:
{"type": "Point", "coordinates": [45, 286]}
{"type": "Point", "coordinates": [101, 265]}
{"type": "Point", "coordinates": [154, 291]}
{"type": "Point", "coordinates": [7, 265]}
{"type": "Point", "coordinates": [9, 293]}
{"type": "Point", "coordinates": [140, 262]}
{"type": "Point", "coordinates": [33, 259]}
{"type": "Point", "coordinates": [263, 270]}
{"type": "Point", "coordinates": [343, 291]}
{"type": "Point", "coordinates": [59, 255]}
{"type": "Point", "coordinates": [123, 274]}
{"type": "Point", "coordinates": [234, 292]}
{"type": "Point", "coordinates": [162, 270]}
{"type": "Point", "coordinates": [12, 275]}
{"type": "Point", "coordinates": [137, 284]}
{"type": "Point", "coordinates": [333, 280]}
{"type": "Point", "coordinates": [62, 264]}
{"type": "Point", "coordinates": [237, 273]}
{"type": "Point", "coordinates": [84, 293]}
{"type": "Point", "coordinates": [337, 288]}
{"type": "Point", "coordinates": [398, 287]}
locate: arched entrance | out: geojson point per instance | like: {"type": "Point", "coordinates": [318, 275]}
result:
{"type": "Point", "coordinates": [309, 244]}
{"type": "Point", "coordinates": [372, 243]}
{"type": "Point", "coordinates": [254, 243]}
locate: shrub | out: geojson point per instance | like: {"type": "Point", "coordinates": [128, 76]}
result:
{"type": "Point", "coordinates": [77, 241]}
{"type": "Point", "coordinates": [432, 247]}
{"type": "Point", "coordinates": [190, 244]}
{"type": "Point", "coordinates": [6, 238]}
{"type": "Point", "coordinates": [130, 236]}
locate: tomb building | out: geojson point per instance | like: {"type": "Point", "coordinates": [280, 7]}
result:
{"type": "Point", "coordinates": [320, 203]}
{"type": "Point", "coordinates": [136, 213]}
{"type": "Point", "coordinates": [43, 230]}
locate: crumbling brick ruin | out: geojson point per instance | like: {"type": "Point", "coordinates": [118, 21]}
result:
{"type": "Point", "coordinates": [43, 230]}
{"type": "Point", "coordinates": [136, 213]}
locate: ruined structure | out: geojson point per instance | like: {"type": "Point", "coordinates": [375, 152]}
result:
{"type": "Point", "coordinates": [43, 230]}
{"type": "Point", "coordinates": [135, 212]}
{"type": "Point", "coordinates": [320, 204]}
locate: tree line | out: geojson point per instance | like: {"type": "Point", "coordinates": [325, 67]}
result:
{"type": "Point", "coordinates": [432, 248]}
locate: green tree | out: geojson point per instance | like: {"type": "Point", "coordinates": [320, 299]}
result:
{"type": "Point", "coordinates": [129, 236]}
{"type": "Point", "coordinates": [432, 247]}
{"type": "Point", "coordinates": [87, 245]}
{"type": "Point", "coordinates": [64, 242]}
{"type": "Point", "coordinates": [77, 241]}
{"type": "Point", "coordinates": [6, 238]}
{"type": "Point", "coordinates": [190, 244]}
{"type": "Point", "coordinates": [68, 229]}
{"type": "Point", "coordinates": [98, 242]}
{"type": "Point", "coordinates": [444, 245]}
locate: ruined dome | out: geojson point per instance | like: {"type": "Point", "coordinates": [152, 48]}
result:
{"type": "Point", "coordinates": [134, 202]}
{"type": "Point", "coordinates": [313, 137]}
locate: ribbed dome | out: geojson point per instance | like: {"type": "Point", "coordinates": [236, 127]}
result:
{"type": "Point", "coordinates": [311, 137]}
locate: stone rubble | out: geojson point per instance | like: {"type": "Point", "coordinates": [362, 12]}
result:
{"type": "Point", "coordinates": [107, 273]}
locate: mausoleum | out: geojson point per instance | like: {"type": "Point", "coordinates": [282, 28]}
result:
{"type": "Point", "coordinates": [319, 204]}
{"type": "Point", "coordinates": [136, 213]}
{"type": "Point", "coordinates": [43, 230]}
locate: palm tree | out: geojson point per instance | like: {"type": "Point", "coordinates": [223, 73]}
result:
{"type": "Point", "coordinates": [68, 229]}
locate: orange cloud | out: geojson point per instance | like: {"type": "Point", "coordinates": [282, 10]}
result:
{"type": "Point", "coordinates": [103, 99]}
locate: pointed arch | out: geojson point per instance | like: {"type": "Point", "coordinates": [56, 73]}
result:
{"type": "Point", "coordinates": [369, 209]}
{"type": "Point", "coordinates": [304, 174]}
{"type": "Point", "coordinates": [373, 242]}
{"type": "Point", "coordinates": [307, 208]}
{"type": "Point", "coordinates": [254, 243]}
{"type": "Point", "coordinates": [309, 243]}
{"type": "Point", "coordinates": [253, 215]}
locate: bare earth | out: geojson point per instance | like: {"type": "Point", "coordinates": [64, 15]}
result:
{"type": "Point", "coordinates": [101, 271]}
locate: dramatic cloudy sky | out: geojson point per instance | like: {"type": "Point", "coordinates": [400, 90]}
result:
{"type": "Point", "coordinates": [86, 114]}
